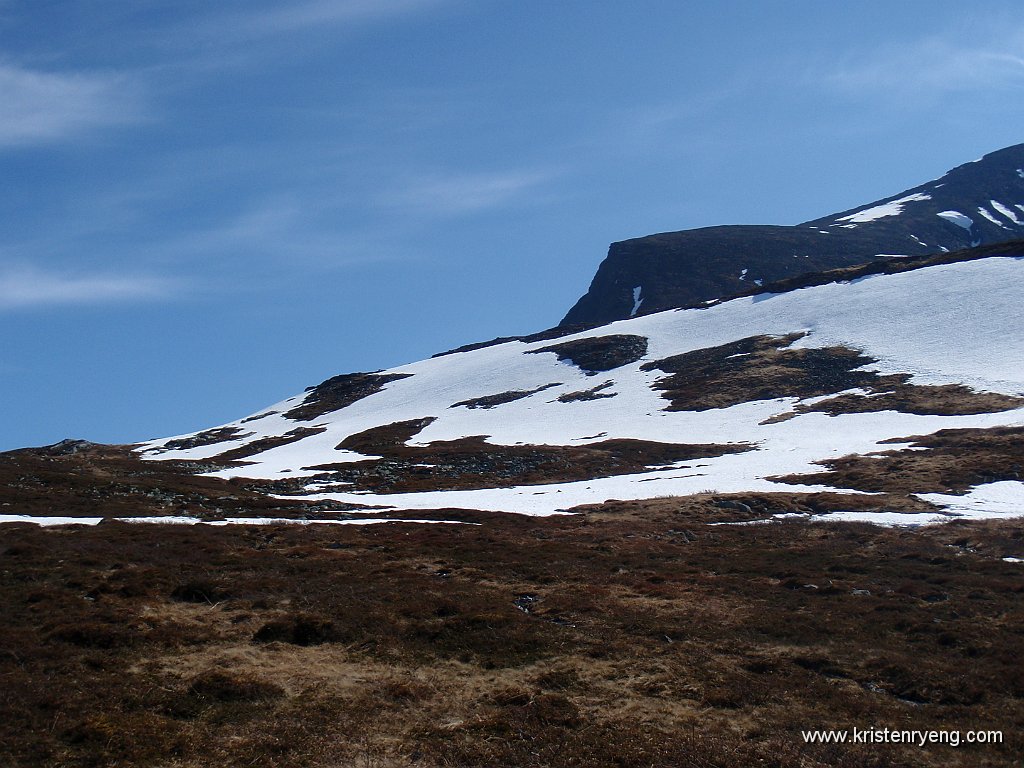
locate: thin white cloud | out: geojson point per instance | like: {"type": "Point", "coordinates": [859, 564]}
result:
{"type": "Point", "coordinates": [40, 107]}
{"type": "Point", "coordinates": [933, 66]}
{"type": "Point", "coordinates": [28, 287]}
{"type": "Point", "coordinates": [466, 193]}
{"type": "Point", "coordinates": [277, 231]}
{"type": "Point", "coordinates": [665, 129]}
{"type": "Point", "coordinates": [284, 236]}
{"type": "Point", "coordinates": [286, 17]}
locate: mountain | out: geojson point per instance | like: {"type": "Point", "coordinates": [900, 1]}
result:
{"type": "Point", "coordinates": [890, 390]}
{"type": "Point", "coordinates": [974, 204]}
{"type": "Point", "coordinates": [640, 630]}
{"type": "Point", "coordinates": [636, 631]}
{"type": "Point", "coordinates": [882, 392]}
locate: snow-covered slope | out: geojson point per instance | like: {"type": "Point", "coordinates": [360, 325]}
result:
{"type": "Point", "coordinates": [747, 395]}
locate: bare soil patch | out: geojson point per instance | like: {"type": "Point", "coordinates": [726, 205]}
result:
{"type": "Point", "coordinates": [339, 392]}
{"type": "Point", "coordinates": [600, 353]}
{"type": "Point", "coordinates": [594, 393]}
{"type": "Point", "coordinates": [490, 401]}
{"type": "Point", "coordinates": [200, 439]}
{"type": "Point", "coordinates": [266, 443]}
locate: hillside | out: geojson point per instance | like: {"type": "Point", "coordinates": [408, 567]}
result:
{"type": "Point", "coordinates": [821, 389]}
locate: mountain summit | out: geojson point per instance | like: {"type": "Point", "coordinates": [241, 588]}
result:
{"type": "Point", "coordinates": [977, 203]}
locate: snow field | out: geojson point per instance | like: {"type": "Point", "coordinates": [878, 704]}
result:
{"type": "Point", "coordinates": [947, 324]}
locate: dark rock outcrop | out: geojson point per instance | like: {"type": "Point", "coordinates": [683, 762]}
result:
{"type": "Point", "coordinates": [596, 354]}
{"type": "Point", "coordinates": [974, 204]}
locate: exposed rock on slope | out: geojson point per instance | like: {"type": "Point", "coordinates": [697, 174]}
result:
{"type": "Point", "coordinates": [974, 204]}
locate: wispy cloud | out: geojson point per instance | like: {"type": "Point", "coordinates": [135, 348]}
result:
{"type": "Point", "coordinates": [466, 193]}
{"type": "Point", "coordinates": [27, 287]}
{"type": "Point", "coordinates": [40, 107]}
{"type": "Point", "coordinates": [271, 231]}
{"type": "Point", "coordinates": [933, 66]}
{"type": "Point", "coordinates": [287, 17]}
{"type": "Point", "coordinates": [277, 238]}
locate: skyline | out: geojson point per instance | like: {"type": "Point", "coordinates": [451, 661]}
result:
{"type": "Point", "coordinates": [207, 211]}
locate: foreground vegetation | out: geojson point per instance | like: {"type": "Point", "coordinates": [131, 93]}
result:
{"type": "Point", "coordinates": [629, 635]}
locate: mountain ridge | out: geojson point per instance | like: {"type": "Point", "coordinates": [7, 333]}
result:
{"type": "Point", "coordinates": [802, 280]}
{"type": "Point", "coordinates": [976, 203]}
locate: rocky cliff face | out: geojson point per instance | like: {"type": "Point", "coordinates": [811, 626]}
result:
{"type": "Point", "coordinates": [976, 203]}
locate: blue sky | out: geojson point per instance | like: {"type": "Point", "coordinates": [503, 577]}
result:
{"type": "Point", "coordinates": [207, 207]}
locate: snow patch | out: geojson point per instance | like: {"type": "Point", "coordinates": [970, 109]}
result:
{"type": "Point", "coordinates": [181, 520]}
{"type": "Point", "coordinates": [887, 519]}
{"type": "Point", "coordinates": [990, 217]}
{"type": "Point", "coordinates": [892, 208]}
{"type": "Point", "coordinates": [48, 521]}
{"type": "Point", "coordinates": [955, 217]}
{"type": "Point", "coordinates": [1000, 208]}
{"type": "Point", "coordinates": [637, 301]}
{"type": "Point", "coordinates": [1001, 499]}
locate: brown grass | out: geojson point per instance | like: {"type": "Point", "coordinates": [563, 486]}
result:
{"type": "Point", "coordinates": [110, 481]}
{"type": "Point", "coordinates": [953, 460]}
{"type": "Point", "coordinates": [632, 634]}
{"type": "Point", "coordinates": [650, 639]}
{"type": "Point", "coordinates": [766, 367]}
{"type": "Point", "coordinates": [472, 462]}
{"type": "Point", "coordinates": [894, 393]}
{"type": "Point", "coordinates": [756, 368]}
